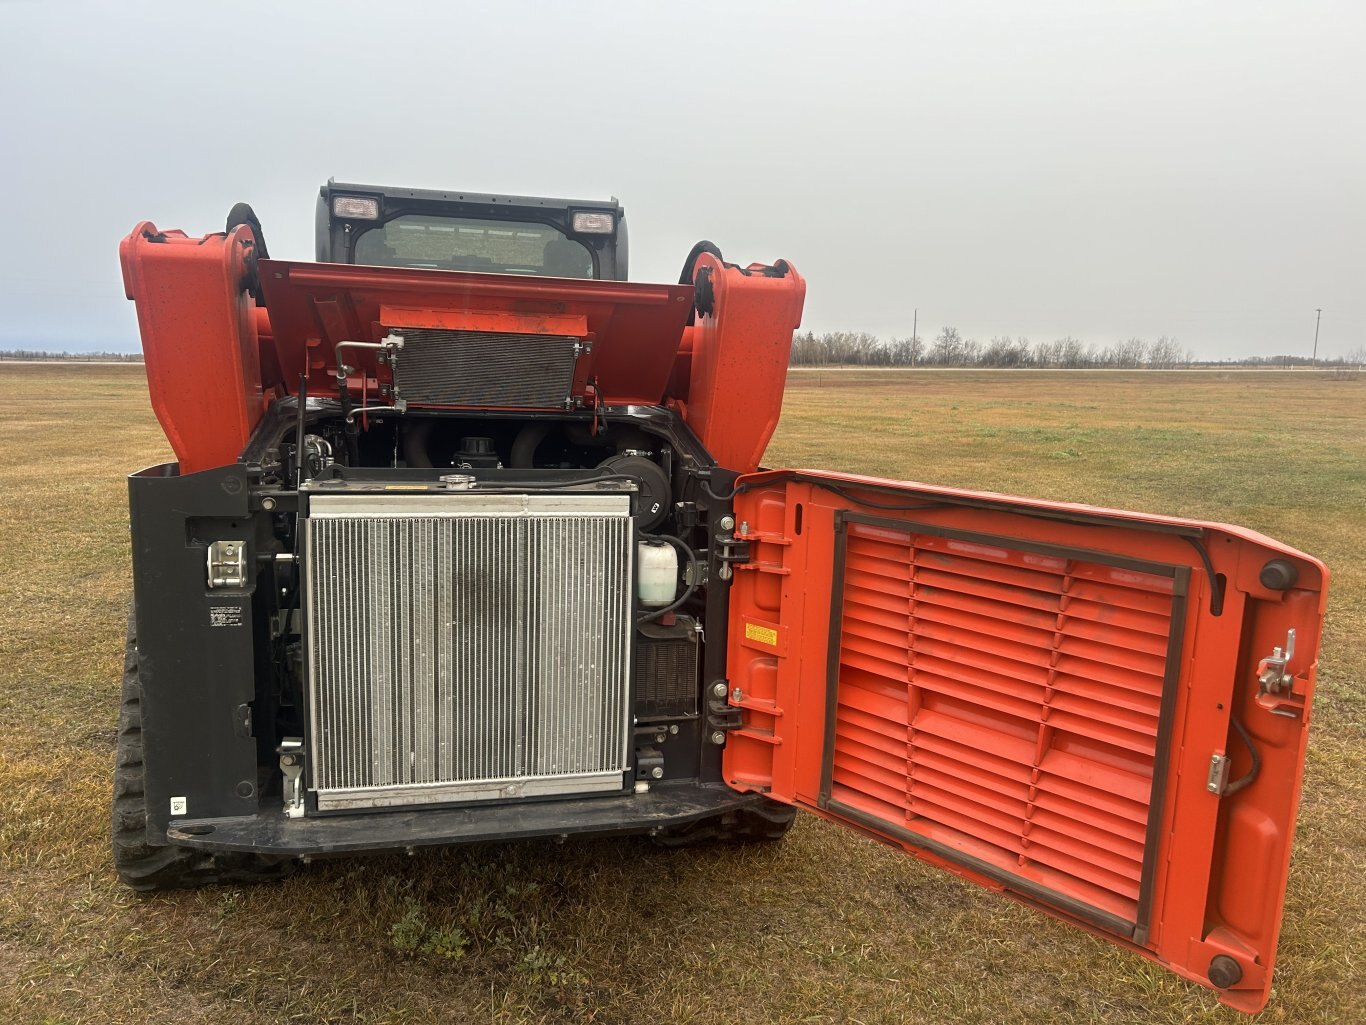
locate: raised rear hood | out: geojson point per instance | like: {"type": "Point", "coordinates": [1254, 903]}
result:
{"type": "Point", "coordinates": [625, 334]}
{"type": "Point", "coordinates": [216, 359]}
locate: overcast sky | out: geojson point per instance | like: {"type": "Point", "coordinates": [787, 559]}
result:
{"type": "Point", "coordinates": [1095, 169]}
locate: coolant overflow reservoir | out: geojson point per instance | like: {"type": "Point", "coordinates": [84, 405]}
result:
{"type": "Point", "coordinates": [658, 574]}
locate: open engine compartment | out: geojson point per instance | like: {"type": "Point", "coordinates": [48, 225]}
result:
{"type": "Point", "coordinates": [440, 634]}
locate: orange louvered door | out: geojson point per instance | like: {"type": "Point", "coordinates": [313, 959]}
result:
{"type": "Point", "coordinates": [1102, 714]}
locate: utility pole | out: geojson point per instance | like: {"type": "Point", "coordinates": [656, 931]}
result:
{"type": "Point", "coordinates": [915, 340]}
{"type": "Point", "coordinates": [1318, 315]}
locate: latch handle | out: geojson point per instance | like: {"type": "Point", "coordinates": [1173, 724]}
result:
{"type": "Point", "coordinates": [1273, 672]}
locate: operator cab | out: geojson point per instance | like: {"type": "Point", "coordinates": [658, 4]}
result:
{"type": "Point", "coordinates": [461, 231]}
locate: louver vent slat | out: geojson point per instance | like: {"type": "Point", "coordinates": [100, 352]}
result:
{"type": "Point", "coordinates": [1005, 704]}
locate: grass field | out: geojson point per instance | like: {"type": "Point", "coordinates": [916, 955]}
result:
{"type": "Point", "coordinates": [823, 928]}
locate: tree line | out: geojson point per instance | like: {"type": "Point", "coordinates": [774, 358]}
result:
{"type": "Point", "coordinates": [950, 349]}
{"type": "Point", "coordinates": [78, 357]}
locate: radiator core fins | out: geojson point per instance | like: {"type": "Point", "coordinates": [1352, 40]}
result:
{"type": "Point", "coordinates": [467, 647]}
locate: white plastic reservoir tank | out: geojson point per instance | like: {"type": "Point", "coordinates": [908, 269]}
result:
{"type": "Point", "coordinates": [658, 573]}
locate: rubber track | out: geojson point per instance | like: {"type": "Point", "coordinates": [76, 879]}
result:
{"type": "Point", "coordinates": [149, 867]}
{"type": "Point", "coordinates": [764, 823]}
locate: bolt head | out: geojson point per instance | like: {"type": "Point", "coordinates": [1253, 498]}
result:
{"type": "Point", "coordinates": [727, 522]}
{"type": "Point", "coordinates": [267, 504]}
{"type": "Point", "coordinates": [718, 738]}
{"type": "Point", "coordinates": [718, 689]}
{"type": "Point", "coordinates": [657, 772]}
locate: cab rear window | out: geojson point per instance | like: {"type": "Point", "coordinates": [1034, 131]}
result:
{"type": "Point", "coordinates": [470, 244]}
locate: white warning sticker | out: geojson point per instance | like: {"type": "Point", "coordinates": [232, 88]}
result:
{"type": "Point", "coordinates": [225, 615]}
{"type": "Point", "coordinates": [178, 806]}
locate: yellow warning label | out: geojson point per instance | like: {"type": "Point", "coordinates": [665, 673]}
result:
{"type": "Point", "coordinates": [406, 487]}
{"type": "Point", "coordinates": [762, 634]}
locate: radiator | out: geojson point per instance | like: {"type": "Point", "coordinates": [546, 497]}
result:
{"type": "Point", "coordinates": [481, 368]}
{"type": "Point", "coordinates": [466, 647]}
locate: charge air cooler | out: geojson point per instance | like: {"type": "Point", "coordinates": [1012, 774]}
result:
{"type": "Point", "coordinates": [466, 646]}
{"type": "Point", "coordinates": [482, 368]}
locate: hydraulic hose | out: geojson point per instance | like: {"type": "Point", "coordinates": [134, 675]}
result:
{"type": "Point", "coordinates": [690, 265]}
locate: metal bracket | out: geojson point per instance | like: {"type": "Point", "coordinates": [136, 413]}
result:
{"type": "Point", "coordinates": [721, 716]}
{"type": "Point", "coordinates": [291, 752]}
{"type": "Point", "coordinates": [227, 564]}
{"type": "Point", "coordinates": [685, 514]}
{"type": "Point", "coordinates": [1273, 673]}
{"type": "Point", "coordinates": [1218, 773]}
{"type": "Point", "coordinates": [649, 763]}
{"type": "Point", "coordinates": [729, 551]}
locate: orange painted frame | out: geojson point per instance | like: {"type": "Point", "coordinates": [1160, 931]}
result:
{"type": "Point", "coordinates": [199, 338]}
{"type": "Point", "coordinates": [737, 359]}
{"type": "Point", "coordinates": [1220, 863]}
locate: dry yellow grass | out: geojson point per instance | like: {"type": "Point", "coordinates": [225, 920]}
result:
{"type": "Point", "coordinates": [823, 928]}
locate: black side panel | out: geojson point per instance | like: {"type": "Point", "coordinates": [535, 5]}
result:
{"type": "Point", "coordinates": [195, 645]}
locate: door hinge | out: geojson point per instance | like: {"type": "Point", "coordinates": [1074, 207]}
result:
{"type": "Point", "coordinates": [721, 716]}
{"type": "Point", "coordinates": [730, 550]}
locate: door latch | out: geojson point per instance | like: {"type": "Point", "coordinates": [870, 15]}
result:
{"type": "Point", "coordinates": [1273, 674]}
{"type": "Point", "coordinates": [291, 752]}
{"type": "Point", "coordinates": [228, 564]}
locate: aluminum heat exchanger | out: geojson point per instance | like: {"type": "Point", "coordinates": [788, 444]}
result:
{"type": "Point", "coordinates": [466, 647]}
{"type": "Point", "coordinates": [487, 369]}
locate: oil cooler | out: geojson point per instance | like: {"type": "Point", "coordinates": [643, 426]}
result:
{"type": "Point", "coordinates": [666, 670]}
{"type": "Point", "coordinates": [467, 646]}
